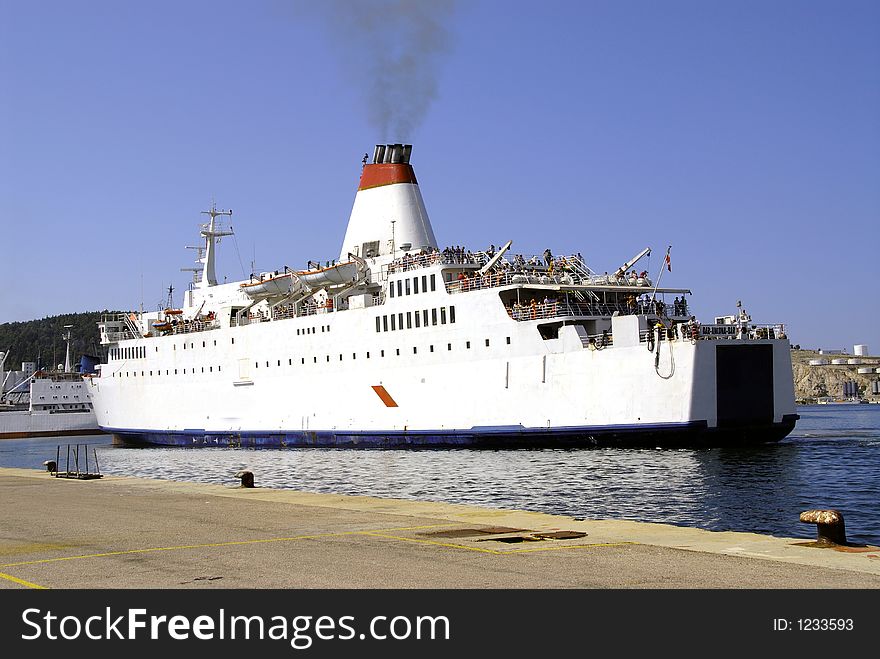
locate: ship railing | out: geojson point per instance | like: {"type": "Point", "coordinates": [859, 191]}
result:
{"type": "Point", "coordinates": [751, 331]}
{"type": "Point", "coordinates": [192, 326]}
{"type": "Point", "coordinates": [713, 332]}
{"type": "Point", "coordinates": [552, 309]}
{"type": "Point", "coordinates": [496, 278]}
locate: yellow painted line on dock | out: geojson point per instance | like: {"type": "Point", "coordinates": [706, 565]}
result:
{"type": "Point", "coordinates": [231, 543]}
{"type": "Point", "coordinates": [28, 584]}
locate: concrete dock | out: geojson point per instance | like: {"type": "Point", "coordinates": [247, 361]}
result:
{"type": "Point", "coordinates": [120, 532]}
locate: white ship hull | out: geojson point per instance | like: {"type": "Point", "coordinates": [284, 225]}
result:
{"type": "Point", "coordinates": [418, 347]}
{"type": "Point", "coordinates": [275, 386]}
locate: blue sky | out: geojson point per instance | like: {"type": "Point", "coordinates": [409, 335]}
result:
{"type": "Point", "coordinates": [744, 134]}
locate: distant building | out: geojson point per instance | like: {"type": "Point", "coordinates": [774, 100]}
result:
{"type": "Point", "coordinates": [822, 351]}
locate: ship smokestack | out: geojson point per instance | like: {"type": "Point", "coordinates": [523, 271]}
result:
{"type": "Point", "coordinates": [388, 212]}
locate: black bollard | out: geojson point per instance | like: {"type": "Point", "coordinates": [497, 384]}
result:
{"type": "Point", "coordinates": [247, 478]}
{"type": "Point", "coordinates": [829, 525]}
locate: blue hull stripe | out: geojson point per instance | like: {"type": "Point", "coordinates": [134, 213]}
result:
{"type": "Point", "coordinates": [666, 434]}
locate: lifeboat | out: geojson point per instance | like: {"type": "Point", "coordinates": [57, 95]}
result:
{"type": "Point", "coordinates": [161, 325]}
{"type": "Point", "coordinates": [173, 312]}
{"type": "Point", "coordinates": [334, 275]}
{"type": "Point", "coordinates": [269, 287]}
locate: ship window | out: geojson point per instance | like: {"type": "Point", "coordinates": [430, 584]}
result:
{"type": "Point", "coordinates": [203, 344]}
{"type": "Point", "coordinates": [451, 314]}
{"type": "Point", "coordinates": [382, 353]}
{"type": "Point", "coordinates": [184, 346]}
{"type": "Point", "coordinates": [290, 362]}
{"type": "Point", "coordinates": [157, 347]}
{"type": "Point", "coordinates": [203, 369]}
{"type": "Point", "coordinates": [211, 369]}
{"type": "Point", "coordinates": [393, 322]}
{"type": "Point", "coordinates": [449, 346]}
{"type": "Point", "coordinates": [368, 355]}
{"type": "Point", "coordinates": [399, 288]}
{"type": "Point", "coordinates": [322, 328]}
{"type": "Point", "coordinates": [340, 357]}
{"type": "Point", "coordinates": [384, 323]}
{"type": "Point", "coordinates": [409, 320]}
{"type": "Point", "coordinates": [279, 362]}
{"type": "Point", "coordinates": [418, 319]}
{"type": "Point", "coordinates": [508, 340]}
{"type": "Point", "coordinates": [468, 345]}
{"type": "Point", "coordinates": [233, 340]}
{"type": "Point", "coordinates": [415, 350]}
{"type": "Point", "coordinates": [315, 360]}
{"type": "Point", "coordinates": [328, 358]}
{"type": "Point", "coordinates": [151, 374]}
{"type": "Point", "coordinates": [215, 343]}
{"type": "Point", "coordinates": [433, 282]}
{"type": "Point", "coordinates": [166, 371]}
{"type": "Point", "coordinates": [431, 347]}
{"type": "Point", "coordinates": [487, 343]}
{"type": "Point", "coordinates": [354, 355]}
{"type": "Point", "coordinates": [442, 315]}
{"type": "Point", "coordinates": [175, 371]}
{"type": "Point", "coordinates": [391, 289]}
{"type": "Point", "coordinates": [406, 287]}
{"type": "Point", "coordinates": [433, 316]}
{"type": "Point", "coordinates": [397, 350]}
{"type": "Point", "coordinates": [219, 368]}
{"type": "Point", "coordinates": [425, 317]}
{"type": "Point", "coordinates": [378, 324]}
{"type": "Point", "coordinates": [256, 364]}
{"type": "Point", "coordinates": [424, 283]}
{"type": "Point", "coordinates": [400, 320]}
{"type": "Point", "coordinates": [415, 285]}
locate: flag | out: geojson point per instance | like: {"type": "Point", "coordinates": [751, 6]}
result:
{"type": "Point", "coordinates": [668, 262]}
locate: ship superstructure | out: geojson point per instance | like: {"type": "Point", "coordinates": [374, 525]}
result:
{"type": "Point", "coordinates": [401, 343]}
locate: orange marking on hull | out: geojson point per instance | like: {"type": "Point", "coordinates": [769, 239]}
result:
{"type": "Point", "coordinates": [384, 395]}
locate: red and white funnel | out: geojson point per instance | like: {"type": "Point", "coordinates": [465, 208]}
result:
{"type": "Point", "coordinates": [389, 214]}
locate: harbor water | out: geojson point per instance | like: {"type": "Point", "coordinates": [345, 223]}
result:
{"type": "Point", "coordinates": [831, 460]}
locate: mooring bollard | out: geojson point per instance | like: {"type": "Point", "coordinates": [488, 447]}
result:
{"type": "Point", "coordinates": [247, 478]}
{"type": "Point", "coordinates": [829, 525]}
{"type": "Point", "coordinates": [50, 466]}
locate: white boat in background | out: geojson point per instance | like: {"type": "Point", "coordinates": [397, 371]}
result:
{"type": "Point", "coordinates": [402, 343]}
{"type": "Point", "coordinates": [35, 403]}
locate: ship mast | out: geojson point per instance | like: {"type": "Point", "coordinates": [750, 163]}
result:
{"type": "Point", "coordinates": [210, 232]}
{"type": "Point", "coordinates": [66, 338]}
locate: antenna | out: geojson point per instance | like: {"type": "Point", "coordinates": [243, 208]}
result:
{"type": "Point", "coordinates": [66, 337]}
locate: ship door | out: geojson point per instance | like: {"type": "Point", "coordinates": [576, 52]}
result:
{"type": "Point", "coordinates": [744, 384]}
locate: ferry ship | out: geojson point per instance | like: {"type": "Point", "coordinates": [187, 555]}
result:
{"type": "Point", "coordinates": [399, 343]}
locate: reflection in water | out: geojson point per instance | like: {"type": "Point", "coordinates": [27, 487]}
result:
{"type": "Point", "coordinates": [831, 460]}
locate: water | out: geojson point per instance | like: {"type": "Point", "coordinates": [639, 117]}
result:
{"type": "Point", "coordinates": [831, 460]}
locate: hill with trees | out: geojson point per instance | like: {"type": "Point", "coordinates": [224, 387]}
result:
{"type": "Point", "coordinates": [42, 340]}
